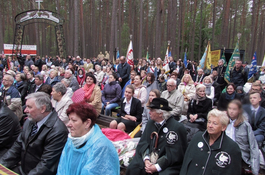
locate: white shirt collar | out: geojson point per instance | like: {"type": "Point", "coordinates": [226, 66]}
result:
{"type": "Point", "coordinates": [252, 108]}
{"type": "Point", "coordinates": [40, 123]}
{"type": "Point", "coordinates": [125, 100]}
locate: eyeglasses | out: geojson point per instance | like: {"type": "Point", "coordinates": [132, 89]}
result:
{"type": "Point", "coordinates": [170, 85]}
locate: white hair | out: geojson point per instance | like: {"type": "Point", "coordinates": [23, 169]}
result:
{"type": "Point", "coordinates": [41, 99]}
{"type": "Point", "coordinates": [172, 80]}
{"type": "Point", "coordinates": [166, 114]}
{"type": "Point", "coordinates": [91, 70]}
{"type": "Point", "coordinates": [69, 71]}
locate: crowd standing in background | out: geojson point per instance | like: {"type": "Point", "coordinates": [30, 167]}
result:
{"type": "Point", "coordinates": [192, 119]}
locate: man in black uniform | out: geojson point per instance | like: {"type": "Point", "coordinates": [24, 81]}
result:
{"type": "Point", "coordinates": [162, 145]}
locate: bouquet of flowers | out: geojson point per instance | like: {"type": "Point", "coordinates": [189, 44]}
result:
{"type": "Point", "coordinates": [126, 150]}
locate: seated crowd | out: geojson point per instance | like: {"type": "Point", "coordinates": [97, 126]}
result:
{"type": "Point", "coordinates": [192, 122]}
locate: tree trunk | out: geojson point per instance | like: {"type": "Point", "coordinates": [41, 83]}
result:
{"type": "Point", "coordinates": [214, 16]}
{"type": "Point", "coordinates": [71, 28]}
{"type": "Point", "coordinates": [193, 31]}
{"type": "Point", "coordinates": [234, 28]}
{"type": "Point", "coordinates": [183, 26]}
{"type": "Point", "coordinates": [200, 32]}
{"type": "Point", "coordinates": [2, 33]}
{"type": "Point", "coordinates": [112, 32]}
{"type": "Point", "coordinates": [141, 29]}
{"type": "Point", "coordinates": [146, 43]}
{"type": "Point", "coordinates": [158, 29]}
{"type": "Point", "coordinates": [179, 27]}
{"type": "Point", "coordinates": [76, 27]}
{"type": "Point", "coordinates": [173, 28]}
{"type": "Point", "coordinates": [255, 27]}
{"type": "Point", "coordinates": [82, 29]}
{"type": "Point", "coordinates": [226, 13]}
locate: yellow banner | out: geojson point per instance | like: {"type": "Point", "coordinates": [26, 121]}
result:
{"type": "Point", "coordinates": [215, 55]}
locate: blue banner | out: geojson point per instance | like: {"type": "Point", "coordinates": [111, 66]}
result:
{"type": "Point", "coordinates": [253, 68]}
{"type": "Point", "coordinates": [185, 60]}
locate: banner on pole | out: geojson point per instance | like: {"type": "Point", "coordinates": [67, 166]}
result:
{"type": "Point", "coordinates": [215, 57]}
{"type": "Point", "coordinates": [26, 49]}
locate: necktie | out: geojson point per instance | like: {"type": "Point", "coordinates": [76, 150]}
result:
{"type": "Point", "coordinates": [158, 125]}
{"type": "Point", "coordinates": [34, 129]}
{"type": "Point", "coordinates": [253, 118]}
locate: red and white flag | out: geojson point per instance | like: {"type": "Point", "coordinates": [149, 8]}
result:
{"type": "Point", "coordinates": [129, 55]}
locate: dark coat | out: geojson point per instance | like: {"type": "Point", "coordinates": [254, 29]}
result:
{"type": "Point", "coordinates": [171, 147]}
{"type": "Point", "coordinates": [111, 93]}
{"type": "Point", "coordinates": [172, 66]}
{"type": "Point", "coordinates": [23, 90]}
{"type": "Point", "coordinates": [40, 153]}
{"type": "Point", "coordinates": [202, 109]}
{"type": "Point", "coordinates": [259, 125]}
{"type": "Point", "coordinates": [223, 102]}
{"type": "Point", "coordinates": [9, 129]}
{"type": "Point", "coordinates": [33, 88]}
{"type": "Point", "coordinates": [217, 90]}
{"type": "Point", "coordinates": [239, 78]}
{"type": "Point", "coordinates": [136, 109]}
{"type": "Point", "coordinates": [221, 75]}
{"type": "Point", "coordinates": [39, 63]}
{"type": "Point", "coordinates": [200, 79]}
{"type": "Point", "coordinates": [124, 71]}
{"type": "Point", "coordinates": [222, 157]}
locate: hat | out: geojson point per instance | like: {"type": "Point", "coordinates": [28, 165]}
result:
{"type": "Point", "coordinates": [160, 103]}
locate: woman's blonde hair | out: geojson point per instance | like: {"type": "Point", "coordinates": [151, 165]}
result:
{"type": "Point", "coordinates": [211, 81]}
{"type": "Point", "coordinates": [190, 81]}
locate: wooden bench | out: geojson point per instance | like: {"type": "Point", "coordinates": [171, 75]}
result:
{"type": "Point", "coordinates": [104, 120]}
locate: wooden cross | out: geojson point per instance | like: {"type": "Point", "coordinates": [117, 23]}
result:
{"type": "Point", "coordinates": [39, 1]}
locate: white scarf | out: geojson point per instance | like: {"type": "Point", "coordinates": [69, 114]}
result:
{"type": "Point", "coordinates": [78, 141]}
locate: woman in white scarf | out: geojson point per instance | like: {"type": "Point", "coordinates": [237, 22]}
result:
{"type": "Point", "coordinates": [208, 82]}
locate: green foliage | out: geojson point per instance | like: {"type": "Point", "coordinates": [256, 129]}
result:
{"type": "Point", "coordinates": [125, 33]}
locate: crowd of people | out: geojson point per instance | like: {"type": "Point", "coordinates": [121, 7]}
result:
{"type": "Point", "coordinates": [192, 121]}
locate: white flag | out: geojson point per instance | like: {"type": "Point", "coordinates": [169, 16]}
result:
{"type": "Point", "coordinates": [129, 55]}
{"type": "Point", "coordinates": [166, 61]}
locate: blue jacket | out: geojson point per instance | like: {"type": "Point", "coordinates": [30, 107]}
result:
{"type": "Point", "coordinates": [12, 91]}
{"type": "Point", "coordinates": [97, 156]}
{"type": "Point", "coordinates": [56, 80]}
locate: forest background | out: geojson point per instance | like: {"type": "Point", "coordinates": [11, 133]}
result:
{"type": "Point", "coordinates": [92, 26]}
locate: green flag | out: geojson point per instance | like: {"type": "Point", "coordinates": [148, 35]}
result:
{"type": "Point", "coordinates": [230, 66]}
{"type": "Point", "coordinates": [223, 58]}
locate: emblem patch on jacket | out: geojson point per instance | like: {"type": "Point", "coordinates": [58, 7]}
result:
{"type": "Point", "coordinates": [222, 159]}
{"type": "Point", "coordinates": [172, 137]}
